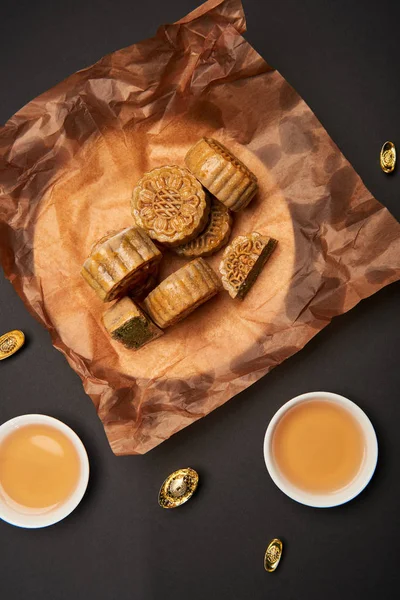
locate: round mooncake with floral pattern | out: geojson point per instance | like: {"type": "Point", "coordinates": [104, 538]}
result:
{"type": "Point", "coordinates": [170, 205]}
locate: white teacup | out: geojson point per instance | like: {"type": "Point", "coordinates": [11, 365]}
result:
{"type": "Point", "coordinates": [31, 519]}
{"type": "Point", "coordinates": [364, 474]}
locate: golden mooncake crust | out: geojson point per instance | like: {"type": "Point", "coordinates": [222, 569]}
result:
{"type": "Point", "coordinates": [181, 293]}
{"type": "Point", "coordinates": [221, 173]}
{"type": "Point", "coordinates": [139, 292]}
{"type": "Point", "coordinates": [128, 324]}
{"type": "Point", "coordinates": [170, 205]}
{"type": "Point", "coordinates": [120, 262]}
{"type": "Point", "coordinates": [215, 235]}
{"type": "Point", "coordinates": [243, 260]}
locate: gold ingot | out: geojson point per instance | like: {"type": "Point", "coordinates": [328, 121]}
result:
{"type": "Point", "coordinates": [388, 157]}
{"type": "Point", "coordinates": [178, 488]}
{"type": "Point", "coordinates": [10, 343]}
{"type": "Point", "coordinates": [273, 555]}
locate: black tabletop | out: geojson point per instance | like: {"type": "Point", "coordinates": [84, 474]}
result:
{"type": "Point", "coordinates": [342, 57]}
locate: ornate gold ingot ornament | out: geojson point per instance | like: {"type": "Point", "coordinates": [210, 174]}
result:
{"type": "Point", "coordinates": [181, 293]}
{"type": "Point", "coordinates": [170, 205]}
{"type": "Point", "coordinates": [242, 262]}
{"type": "Point", "coordinates": [221, 173]}
{"type": "Point", "coordinates": [273, 555]}
{"type": "Point", "coordinates": [388, 157]}
{"type": "Point", "coordinates": [10, 343]}
{"type": "Point", "coordinates": [178, 488]}
{"type": "Point", "coordinates": [121, 262]}
{"type": "Point", "coordinates": [214, 237]}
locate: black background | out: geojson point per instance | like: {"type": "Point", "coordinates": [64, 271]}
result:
{"type": "Point", "coordinates": [343, 58]}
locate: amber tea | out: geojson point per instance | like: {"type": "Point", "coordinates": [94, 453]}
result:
{"type": "Point", "coordinates": [318, 446]}
{"type": "Point", "coordinates": [39, 467]}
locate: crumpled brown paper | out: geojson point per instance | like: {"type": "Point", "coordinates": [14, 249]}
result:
{"type": "Point", "coordinates": [68, 164]}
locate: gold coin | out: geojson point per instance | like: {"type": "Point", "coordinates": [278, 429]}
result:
{"type": "Point", "coordinates": [273, 555]}
{"type": "Point", "coordinates": [10, 343]}
{"type": "Point", "coordinates": [388, 157]}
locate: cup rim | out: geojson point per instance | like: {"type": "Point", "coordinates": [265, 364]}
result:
{"type": "Point", "coordinates": [35, 521]}
{"type": "Point", "coordinates": [360, 481]}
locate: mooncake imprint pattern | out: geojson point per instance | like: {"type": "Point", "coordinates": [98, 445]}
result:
{"type": "Point", "coordinates": [170, 205]}
{"type": "Point", "coordinates": [221, 173]}
{"type": "Point", "coordinates": [243, 260]}
{"type": "Point", "coordinates": [181, 293]}
{"type": "Point", "coordinates": [120, 262]}
{"type": "Point", "coordinates": [215, 235]}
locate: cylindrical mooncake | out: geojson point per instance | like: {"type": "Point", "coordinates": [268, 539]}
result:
{"type": "Point", "coordinates": [128, 324]}
{"type": "Point", "coordinates": [221, 173]}
{"type": "Point", "coordinates": [181, 293]}
{"type": "Point", "coordinates": [120, 262]}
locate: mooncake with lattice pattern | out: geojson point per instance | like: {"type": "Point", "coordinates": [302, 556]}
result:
{"type": "Point", "coordinates": [170, 205]}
